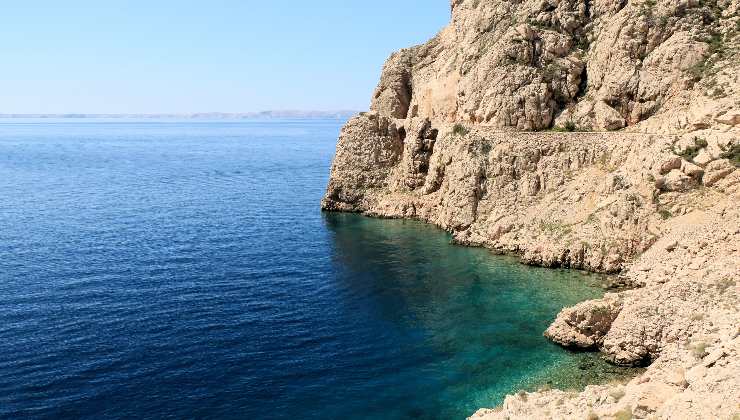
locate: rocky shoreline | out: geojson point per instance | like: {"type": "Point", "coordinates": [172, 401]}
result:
{"type": "Point", "coordinates": [501, 131]}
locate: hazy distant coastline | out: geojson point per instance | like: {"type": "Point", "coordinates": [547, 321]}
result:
{"type": "Point", "coordinates": [342, 114]}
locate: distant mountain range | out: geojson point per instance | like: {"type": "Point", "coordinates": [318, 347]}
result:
{"type": "Point", "coordinates": [343, 114]}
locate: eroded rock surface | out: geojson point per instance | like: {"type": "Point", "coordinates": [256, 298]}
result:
{"type": "Point", "coordinates": [593, 64]}
{"type": "Point", "coordinates": [455, 137]}
{"type": "Point", "coordinates": [585, 325]}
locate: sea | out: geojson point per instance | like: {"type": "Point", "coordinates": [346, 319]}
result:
{"type": "Point", "coordinates": [184, 269]}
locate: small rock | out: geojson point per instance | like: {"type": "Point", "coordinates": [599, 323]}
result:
{"type": "Point", "coordinates": [660, 182]}
{"type": "Point", "coordinates": [653, 399]}
{"type": "Point", "coordinates": [670, 164]}
{"type": "Point", "coordinates": [678, 378]}
{"type": "Point", "coordinates": [703, 158]}
{"type": "Point", "coordinates": [696, 373]}
{"type": "Point", "coordinates": [678, 181]}
{"type": "Point", "coordinates": [692, 170]}
{"type": "Point", "coordinates": [714, 357]}
{"type": "Point", "coordinates": [716, 171]}
{"type": "Point", "coordinates": [697, 263]}
{"type": "Point", "coordinates": [731, 117]}
{"type": "Point", "coordinates": [607, 117]}
{"type": "Point", "coordinates": [585, 325]}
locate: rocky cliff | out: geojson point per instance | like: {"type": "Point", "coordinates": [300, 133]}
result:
{"type": "Point", "coordinates": [594, 134]}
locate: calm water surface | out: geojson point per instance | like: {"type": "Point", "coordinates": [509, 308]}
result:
{"type": "Point", "coordinates": [183, 269]}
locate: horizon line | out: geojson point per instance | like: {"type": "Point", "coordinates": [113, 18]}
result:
{"type": "Point", "coordinates": [295, 113]}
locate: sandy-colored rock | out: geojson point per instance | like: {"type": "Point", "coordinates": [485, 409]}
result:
{"type": "Point", "coordinates": [533, 64]}
{"type": "Point", "coordinates": [717, 170]}
{"type": "Point", "coordinates": [585, 325]}
{"type": "Point", "coordinates": [694, 171]}
{"type": "Point", "coordinates": [683, 323]}
{"type": "Point", "coordinates": [652, 398]}
{"type": "Point", "coordinates": [703, 158]}
{"type": "Point", "coordinates": [672, 163]}
{"type": "Point", "coordinates": [676, 180]}
{"type": "Point", "coordinates": [731, 117]}
{"type": "Point", "coordinates": [558, 200]}
{"type": "Point", "coordinates": [455, 139]}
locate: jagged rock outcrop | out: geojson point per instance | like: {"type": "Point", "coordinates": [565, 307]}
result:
{"type": "Point", "coordinates": [459, 135]}
{"type": "Point", "coordinates": [579, 200]}
{"type": "Point", "coordinates": [596, 64]}
{"type": "Point", "coordinates": [585, 325]}
{"type": "Point", "coordinates": [684, 321]}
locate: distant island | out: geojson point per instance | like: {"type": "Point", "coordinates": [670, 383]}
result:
{"type": "Point", "coordinates": [342, 114]}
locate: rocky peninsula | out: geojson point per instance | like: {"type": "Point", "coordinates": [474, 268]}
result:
{"type": "Point", "coordinates": [601, 135]}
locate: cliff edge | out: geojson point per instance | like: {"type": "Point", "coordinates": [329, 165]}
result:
{"type": "Point", "coordinates": [594, 134]}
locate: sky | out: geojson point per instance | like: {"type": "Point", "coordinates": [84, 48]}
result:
{"type": "Point", "coordinates": [187, 56]}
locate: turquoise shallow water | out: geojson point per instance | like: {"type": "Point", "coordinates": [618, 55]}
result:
{"type": "Point", "coordinates": [183, 269]}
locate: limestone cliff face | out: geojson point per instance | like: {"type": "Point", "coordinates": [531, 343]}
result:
{"type": "Point", "coordinates": [458, 135]}
{"type": "Point", "coordinates": [581, 200]}
{"type": "Point", "coordinates": [595, 64]}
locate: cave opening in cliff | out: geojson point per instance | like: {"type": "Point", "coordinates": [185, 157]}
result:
{"type": "Point", "coordinates": [583, 84]}
{"type": "Point", "coordinates": [402, 134]}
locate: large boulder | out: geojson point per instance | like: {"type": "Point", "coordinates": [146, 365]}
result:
{"type": "Point", "coordinates": [585, 325]}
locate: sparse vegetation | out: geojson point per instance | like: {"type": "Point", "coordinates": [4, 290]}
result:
{"type": "Point", "coordinates": [553, 71]}
{"type": "Point", "coordinates": [692, 151]}
{"type": "Point", "coordinates": [718, 92]}
{"type": "Point", "coordinates": [647, 8]}
{"type": "Point", "coordinates": [697, 317]}
{"type": "Point", "coordinates": [725, 283]}
{"type": "Point", "coordinates": [699, 350]}
{"type": "Point", "coordinates": [605, 162]}
{"type": "Point", "coordinates": [583, 43]}
{"type": "Point", "coordinates": [716, 51]}
{"type": "Point", "coordinates": [592, 416]}
{"type": "Point", "coordinates": [592, 218]}
{"type": "Point", "coordinates": [555, 227]}
{"type": "Point", "coordinates": [665, 214]}
{"type": "Point", "coordinates": [716, 44]}
{"type": "Point", "coordinates": [568, 127]}
{"type": "Point", "coordinates": [698, 70]}
{"type": "Point", "coordinates": [663, 21]}
{"type": "Point", "coordinates": [460, 130]}
{"type": "Point", "coordinates": [602, 311]}
{"type": "Point", "coordinates": [634, 198]}
{"type": "Point", "coordinates": [486, 148]}
{"type": "Point", "coordinates": [537, 24]}
{"type": "Point", "coordinates": [617, 394]}
{"type": "Point", "coordinates": [481, 148]}
{"type": "Point", "coordinates": [733, 154]}
{"type": "Point", "coordinates": [624, 414]}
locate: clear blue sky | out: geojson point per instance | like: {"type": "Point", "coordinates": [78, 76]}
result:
{"type": "Point", "coordinates": [197, 56]}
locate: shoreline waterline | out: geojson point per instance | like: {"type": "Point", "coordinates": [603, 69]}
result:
{"type": "Point", "coordinates": [183, 269]}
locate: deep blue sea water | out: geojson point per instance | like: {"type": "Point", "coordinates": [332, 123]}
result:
{"type": "Point", "coordinates": [183, 269]}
